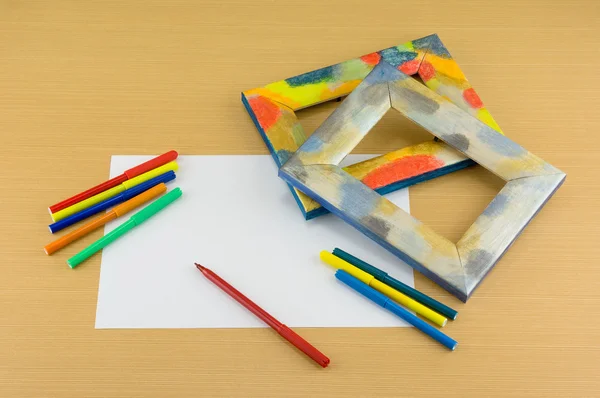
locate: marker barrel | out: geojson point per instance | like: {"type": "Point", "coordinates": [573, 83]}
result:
{"type": "Point", "coordinates": [397, 310]}
{"type": "Point", "coordinates": [396, 284]}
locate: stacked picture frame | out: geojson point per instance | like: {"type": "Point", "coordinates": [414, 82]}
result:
{"type": "Point", "coordinates": [448, 108]}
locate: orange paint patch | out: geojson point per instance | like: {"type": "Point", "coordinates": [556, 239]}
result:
{"type": "Point", "coordinates": [472, 98]}
{"type": "Point", "coordinates": [275, 92]}
{"type": "Point", "coordinates": [426, 71]}
{"type": "Point", "coordinates": [410, 67]}
{"type": "Point", "coordinates": [401, 169]}
{"type": "Point", "coordinates": [266, 111]}
{"type": "Point", "coordinates": [371, 59]}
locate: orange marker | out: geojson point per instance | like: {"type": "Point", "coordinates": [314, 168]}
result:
{"type": "Point", "coordinates": [96, 223]}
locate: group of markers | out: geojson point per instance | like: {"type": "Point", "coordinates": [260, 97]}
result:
{"type": "Point", "coordinates": [146, 181]}
{"type": "Point", "coordinates": [387, 292]}
{"type": "Point", "coordinates": [367, 280]}
{"type": "Point", "coordinates": [120, 194]}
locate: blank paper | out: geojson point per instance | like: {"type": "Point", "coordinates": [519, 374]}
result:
{"type": "Point", "coordinates": [239, 219]}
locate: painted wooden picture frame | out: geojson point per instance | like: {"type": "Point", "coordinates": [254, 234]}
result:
{"type": "Point", "coordinates": [460, 267]}
{"type": "Point", "coordinates": [272, 108]}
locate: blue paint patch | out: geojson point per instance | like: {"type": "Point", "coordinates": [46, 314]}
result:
{"type": "Point", "coordinates": [414, 241]}
{"type": "Point", "coordinates": [496, 207]}
{"type": "Point", "coordinates": [284, 155]}
{"type": "Point", "coordinates": [395, 57]}
{"type": "Point", "coordinates": [499, 143]}
{"type": "Point", "coordinates": [383, 73]}
{"type": "Point", "coordinates": [416, 101]}
{"type": "Point", "coordinates": [357, 199]}
{"type": "Point", "coordinates": [478, 262]}
{"type": "Point", "coordinates": [313, 144]}
{"type": "Point", "coordinates": [433, 45]}
{"type": "Point", "coordinates": [458, 141]}
{"type": "Point", "coordinates": [316, 76]}
{"type": "Point", "coordinates": [377, 225]}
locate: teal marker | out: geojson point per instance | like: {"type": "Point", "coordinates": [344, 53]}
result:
{"type": "Point", "coordinates": [382, 276]}
{"type": "Point", "coordinates": [135, 220]}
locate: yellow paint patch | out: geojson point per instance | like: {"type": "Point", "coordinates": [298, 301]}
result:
{"type": "Point", "coordinates": [280, 134]}
{"type": "Point", "coordinates": [448, 67]}
{"type": "Point", "coordinates": [386, 208]}
{"type": "Point", "coordinates": [485, 116]}
{"type": "Point", "coordinates": [470, 241]}
{"type": "Point", "coordinates": [273, 95]}
{"type": "Point", "coordinates": [429, 148]}
{"type": "Point", "coordinates": [441, 246]}
{"type": "Point", "coordinates": [524, 166]}
{"type": "Point", "coordinates": [433, 84]}
{"type": "Point", "coordinates": [339, 91]}
{"type": "Point", "coordinates": [308, 158]}
{"type": "Point", "coordinates": [445, 80]}
{"type": "Point", "coordinates": [408, 47]}
{"type": "Point", "coordinates": [361, 169]}
{"type": "Point", "coordinates": [296, 97]}
{"type": "Point", "coordinates": [308, 203]}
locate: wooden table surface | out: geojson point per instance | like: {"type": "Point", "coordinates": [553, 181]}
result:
{"type": "Point", "coordinates": [83, 80]}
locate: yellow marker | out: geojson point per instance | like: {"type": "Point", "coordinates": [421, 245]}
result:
{"type": "Point", "coordinates": [102, 196]}
{"type": "Point", "coordinates": [381, 287]}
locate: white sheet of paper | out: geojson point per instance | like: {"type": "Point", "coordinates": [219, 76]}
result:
{"type": "Point", "coordinates": [239, 219]}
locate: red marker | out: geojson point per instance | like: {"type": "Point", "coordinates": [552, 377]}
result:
{"type": "Point", "coordinates": [113, 182]}
{"type": "Point", "coordinates": [279, 327]}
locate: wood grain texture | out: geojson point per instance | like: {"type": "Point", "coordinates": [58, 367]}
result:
{"type": "Point", "coordinates": [81, 80]}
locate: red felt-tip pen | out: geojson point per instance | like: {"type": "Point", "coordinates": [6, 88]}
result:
{"type": "Point", "coordinates": [113, 182]}
{"type": "Point", "coordinates": [279, 327]}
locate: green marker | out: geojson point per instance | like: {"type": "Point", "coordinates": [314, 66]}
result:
{"type": "Point", "coordinates": [135, 220]}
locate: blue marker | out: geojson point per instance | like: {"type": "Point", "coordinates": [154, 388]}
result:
{"type": "Point", "coordinates": [396, 309]}
{"type": "Point", "coordinates": [382, 276]}
{"type": "Point", "coordinates": [108, 203]}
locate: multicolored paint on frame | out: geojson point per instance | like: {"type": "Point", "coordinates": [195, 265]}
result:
{"type": "Point", "coordinates": [460, 267]}
{"type": "Point", "coordinates": [272, 109]}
